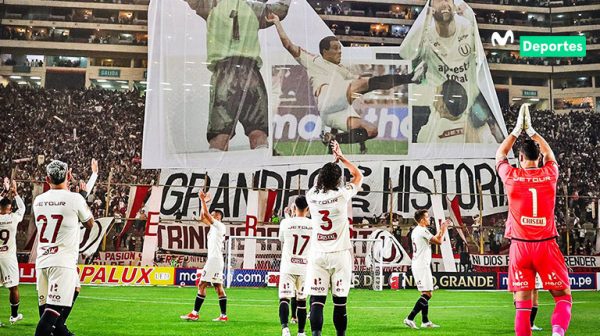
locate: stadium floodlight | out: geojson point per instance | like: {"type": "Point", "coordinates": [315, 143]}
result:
{"type": "Point", "coordinates": [15, 77]}
{"type": "Point", "coordinates": [101, 80]}
{"type": "Point", "coordinates": [35, 77]}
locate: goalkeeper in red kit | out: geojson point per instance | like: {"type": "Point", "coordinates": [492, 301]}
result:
{"type": "Point", "coordinates": [531, 191]}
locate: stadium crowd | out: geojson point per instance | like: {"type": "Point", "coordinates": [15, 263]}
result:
{"type": "Point", "coordinates": [107, 125]}
{"type": "Point", "coordinates": [74, 126]}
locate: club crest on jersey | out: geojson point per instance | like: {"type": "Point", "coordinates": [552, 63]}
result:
{"type": "Point", "coordinates": [464, 49]}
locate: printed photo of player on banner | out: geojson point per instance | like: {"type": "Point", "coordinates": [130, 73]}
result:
{"type": "Point", "coordinates": [455, 107]}
{"type": "Point", "coordinates": [240, 83]}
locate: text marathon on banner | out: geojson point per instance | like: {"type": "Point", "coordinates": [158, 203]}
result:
{"type": "Point", "coordinates": [412, 184]}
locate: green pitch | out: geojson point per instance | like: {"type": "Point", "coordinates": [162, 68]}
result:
{"type": "Point", "coordinates": [374, 147]}
{"type": "Point", "coordinates": [145, 311]}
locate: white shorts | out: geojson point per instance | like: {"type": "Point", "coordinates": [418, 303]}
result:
{"type": "Point", "coordinates": [423, 279]}
{"type": "Point", "coordinates": [213, 271]}
{"type": "Point", "coordinates": [291, 285]}
{"type": "Point", "coordinates": [9, 272]}
{"type": "Point", "coordinates": [56, 285]}
{"type": "Point", "coordinates": [334, 107]}
{"type": "Point", "coordinates": [327, 270]}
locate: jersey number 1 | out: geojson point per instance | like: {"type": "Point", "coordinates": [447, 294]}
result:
{"type": "Point", "coordinates": [534, 201]}
{"type": "Point", "coordinates": [44, 219]}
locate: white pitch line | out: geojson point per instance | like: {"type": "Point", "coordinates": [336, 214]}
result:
{"type": "Point", "coordinates": [234, 303]}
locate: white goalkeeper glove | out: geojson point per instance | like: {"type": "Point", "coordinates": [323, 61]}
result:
{"type": "Point", "coordinates": [527, 126]}
{"type": "Point", "coordinates": [520, 121]}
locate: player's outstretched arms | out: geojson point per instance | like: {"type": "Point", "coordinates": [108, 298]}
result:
{"type": "Point", "coordinates": [206, 217]}
{"type": "Point", "coordinates": [507, 144]}
{"type": "Point", "coordinates": [439, 237]}
{"type": "Point", "coordinates": [293, 49]}
{"type": "Point", "coordinates": [544, 146]}
{"type": "Point", "coordinates": [357, 176]}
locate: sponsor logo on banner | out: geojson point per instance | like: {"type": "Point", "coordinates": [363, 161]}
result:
{"type": "Point", "coordinates": [451, 280]}
{"type": "Point", "coordinates": [577, 280]}
{"type": "Point", "coordinates": [502, 261]}
{"type": "Point", "coordinates": [249, 278]}
{"type": "Point", "coordinates": [118, 258]}
{"type": "Point", "coordinates": [186, 276]}
{"type": "Point", "coordinates": [272, 279]}
{"type": "Point", "coordinates": [583, 280]}
{"type": "Point", "coordinates": [126, 275]}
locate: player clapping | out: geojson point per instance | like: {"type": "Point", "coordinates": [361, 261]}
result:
{"type": "Point", "coordinates": [531, 227]}
{"type": "Point", "coordinates": [213, 268]}
{"type": "Point", "coordinates": [9, 266]}
{"type": "Point", "coordinates": [58, 213]}
{"type": "Point", "coordinates": [421, 267]}
{"type": "Point", "coordinates": [330, 262]}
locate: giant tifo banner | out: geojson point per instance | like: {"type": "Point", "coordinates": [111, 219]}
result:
{"type": "Point", "coordinates": [224, 92]}
{"type": "Point", "coordinates": [412, 182]}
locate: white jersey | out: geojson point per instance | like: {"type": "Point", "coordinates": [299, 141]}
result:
{"type": "Point", "coordinates": [57, 215]}
{"type": "Point", "coordinates": [329, 214]}
{"type": "Point", "coordinates": [421, 240]}
{"type": "Point", "coordinates": [215, 240]}
{"type": "Point", "coordinates": [322, 72]}
{"type": "Point", "coordinates": [8, 230]}
{"type": "Point", "coordinates": [295, 234]}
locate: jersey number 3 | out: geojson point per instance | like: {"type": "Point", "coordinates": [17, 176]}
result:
{"type": "Point", "coordinates": [44, 219]}
{"type": "Point", "coordinates": [325, 219]}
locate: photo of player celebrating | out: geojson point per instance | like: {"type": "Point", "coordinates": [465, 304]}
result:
{"type": "Point", "coordinates": [449, 105]}
{"type": "Point", "coordinates": [335, 88]}
{"type": "Point", "coordinates": [237, 89]}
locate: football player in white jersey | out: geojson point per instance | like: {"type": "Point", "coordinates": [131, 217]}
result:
{"type": "Point", "coordinates": [295, 234]}
{"type": "Point", "coordinates": [330, 261]}
{"type": "Point", "coordinates": [57, 214]}
{"type": "Point", "coordinates": [84, 191]}
{"type": "Point", "coordinates": [421, 266]}
{"type": "Point", "coordinates": [336, 87]}
{"type": "Point", "coordinates": [9, 266]}
{"type": "Point", "coordinates": [213, 268]}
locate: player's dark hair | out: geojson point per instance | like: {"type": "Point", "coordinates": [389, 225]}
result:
{"type": "Point", "coordinates": [420, 214]}
{"type": "Point", "coordinates": [329, 177]}
{"type": "Point", "coordinates": [325, 43]}
{"type": "Point", "coordinates": [5, 202]}
{"type": "Point", "coordinates": [301, 203]}
{"type": "Point", "coordinates": [530, 150]}
{"type": "Point", "coordinates": [220, 213]}
{"type": "Point", "coordinates": [455, 97]}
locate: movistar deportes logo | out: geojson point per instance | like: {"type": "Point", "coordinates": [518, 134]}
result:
{"type": "Point", "coordinates": [501, 41]}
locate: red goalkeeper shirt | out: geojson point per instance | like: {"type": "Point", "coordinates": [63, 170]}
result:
{"type": "Point", "coordinates": [531, 200]}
